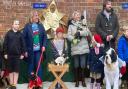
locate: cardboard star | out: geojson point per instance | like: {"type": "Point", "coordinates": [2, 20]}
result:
{"type": "Point", "coordinates": [52, 17]}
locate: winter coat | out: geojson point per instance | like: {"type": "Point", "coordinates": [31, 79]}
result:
{"type": "Point", "coordinates": [14, 44]}
{"type": "Point", "coordinates": [55, 51]}
{"type": "Point", "coordinates": [106, 27]}
{"type": "Point", "coordinates": [95, 65]}
{"type": "Point", "coordinates": [28, 36]}
{"type": "Point", "coordinates": [82, 47]}
{"type": "Point", "coordinates": [123, 48]}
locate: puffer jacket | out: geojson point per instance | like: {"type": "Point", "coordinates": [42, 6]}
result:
{"type": "Point", "coordinates": [82, 47]}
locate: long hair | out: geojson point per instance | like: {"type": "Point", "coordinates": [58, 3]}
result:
{"type": "Point", "coordinates": [31, 16]}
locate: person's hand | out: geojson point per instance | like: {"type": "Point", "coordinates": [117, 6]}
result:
{"type": "Point", "coordinates": [43, 49]}
{"type": "Point", "coordinates": [111, 36]}
{"type": "Point", "coordinates": [21, 57]}
{"type": "Point", "coordinates": [88, 66]}
{"type": "Point", "coordinates": [26, 54]}
{"type": "Point", "coordinates": [6, 56]}
{"type": "Point", "coordinates": [108, 38]}
{"type": "Point", "coordinates": [77, 34]}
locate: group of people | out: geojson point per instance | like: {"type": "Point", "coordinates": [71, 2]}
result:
{"type": "Point", "coordinates": [86, 49]}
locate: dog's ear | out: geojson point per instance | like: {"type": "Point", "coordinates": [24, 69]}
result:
{"type": "Point", "coordinates": [113, 56]}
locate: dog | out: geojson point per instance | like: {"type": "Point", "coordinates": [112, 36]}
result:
{"type": "Point", "coordinates": [60, 60]}
{"type": "Point", "coordinates": [35, 82]}
{"type": "Point", "coordinates": [111, 68]}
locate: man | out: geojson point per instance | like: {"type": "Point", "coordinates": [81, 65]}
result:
{"type": "Point", "coordinates": [35, 38]}
{"type": "Point", "coordinates": [107, 25]}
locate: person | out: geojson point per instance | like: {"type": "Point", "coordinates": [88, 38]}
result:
{"type": "Point", "coordinates": [77, 35]}
{"type": "Point", "coordinates": [122, 49]}
{"type": "Point", "coordinates": [95, 65]}
{"type": "Point", "coordinates": [107, 25]}
{"type": "Point", "coordinates": [59, 44]}
{"type": "Point", "coordinates": [4, 74]}
{"type": "Point", "coordinates": [14, 49]}
{"type": "Point", "coordinates": [59, 47]}
{"type": "Point", "coordinates": [35, 39]}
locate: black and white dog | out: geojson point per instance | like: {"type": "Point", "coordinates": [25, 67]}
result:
{"type": "Point", "coordinates": [111, 68]}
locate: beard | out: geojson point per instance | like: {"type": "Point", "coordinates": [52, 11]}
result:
{"type": "Point", "coordinates": [109, 10]}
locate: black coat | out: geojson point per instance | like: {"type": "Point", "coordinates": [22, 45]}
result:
{"type": "Point", "coordinates": [95, 65]}
{"type": "Point", "coordinates": [106, 27]}
{"type": "Point", "coordinates": [14, 44]}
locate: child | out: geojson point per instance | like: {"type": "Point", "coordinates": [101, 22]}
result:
{"type": "Point", "coordinates": [14, 49]}
{"type": "Point", "coordinates": [95, 65]}
{"type": "Point", "coordinates": [122, 49]}
{"type": "Point", "coordinates": [59, 46]}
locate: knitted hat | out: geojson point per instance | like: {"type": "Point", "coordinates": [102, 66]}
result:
{"type": "Point", "coordinates": [59, 29]}
{"type": "Point", "coordinates": [98, 40]}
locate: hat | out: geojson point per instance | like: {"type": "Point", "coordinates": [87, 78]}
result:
{"type": "Point", "coordinates": [59, 29]}
{"type": "Point", "coordinates": [98, 39]}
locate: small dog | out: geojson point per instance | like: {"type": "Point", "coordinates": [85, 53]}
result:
{"type": "Point", "coordinates": [35, 82]}
{"type": "Point", "coordinates": [60, 60]}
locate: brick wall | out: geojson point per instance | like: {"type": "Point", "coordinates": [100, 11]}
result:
{"type": "Point", "coordinates": [20, 9]}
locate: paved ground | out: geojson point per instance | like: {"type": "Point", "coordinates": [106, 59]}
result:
{"type": "Point", "coordinates": [70, 85]}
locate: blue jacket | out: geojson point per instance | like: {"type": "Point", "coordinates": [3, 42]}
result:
{"type": "Point", "coordinates": [123, 48]}
{"type": "Point", "coordinates": [28, 36]}
{"type": "Point", "coordinates": [95, 65]}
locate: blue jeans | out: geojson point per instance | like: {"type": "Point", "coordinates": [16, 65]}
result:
{"type": "Point", "coordinates": [33, 63]}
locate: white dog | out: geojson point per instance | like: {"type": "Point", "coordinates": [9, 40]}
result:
{"type": "Point", "coordinates": [60, 60]}
{"type": "Point", "coordinates": [111, 69]}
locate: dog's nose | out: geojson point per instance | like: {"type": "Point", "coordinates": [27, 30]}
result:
{"type": "Point", "coordinates": [106, 57]}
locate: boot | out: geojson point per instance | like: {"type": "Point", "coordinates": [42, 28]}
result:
{"type": "Point", "coordinates": [76, 77]}
{"type": "Point", "coordinates": [83, 78]}
{"type": "Point", "coordinates": [98, 86]}
{"type": "Point", "coordinates": [91, 85]}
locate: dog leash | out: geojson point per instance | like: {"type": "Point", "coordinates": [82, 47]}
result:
{"type": "Point", "coordinates": [40, 60]}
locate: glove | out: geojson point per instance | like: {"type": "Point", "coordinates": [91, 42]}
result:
{"type": "Point", "coordinates": [77, 34]}
{"type": "Point", "coordinates": [123, 70]}
{"type": "Point", "coordinates": [75, 41]}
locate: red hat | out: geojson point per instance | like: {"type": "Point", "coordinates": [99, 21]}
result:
{"type": "Point", "coordinates": [59, 29]}
{"type": "Point", "coordinates": [98, 39]}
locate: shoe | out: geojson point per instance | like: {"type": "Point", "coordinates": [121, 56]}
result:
{"type": "Point", "coordinates": [76, 77]}
{"type": "Point", "coordinates": [77, 84]}
{"type": "Point", "coordinates": [83, 77]}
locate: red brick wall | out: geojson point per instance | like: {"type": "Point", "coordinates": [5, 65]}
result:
{"type": "Point", "coordinates": [20, 9]}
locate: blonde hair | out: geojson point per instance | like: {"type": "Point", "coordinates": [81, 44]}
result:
{"type": "Point", "coordinates": [125, 27]}
{"type": "Point", "coordinates": [32, 14]}
{"type": "Point", "coordinates": [16, 21]}
{"type": "Point", "coordinates": [75, 12]}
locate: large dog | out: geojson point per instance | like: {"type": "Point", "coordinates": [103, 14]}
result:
{"type": "Point", "coordinates": [111, 68]}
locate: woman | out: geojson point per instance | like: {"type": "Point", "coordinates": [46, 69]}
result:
{"type": "Point", "coordinates": [77, 35]}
